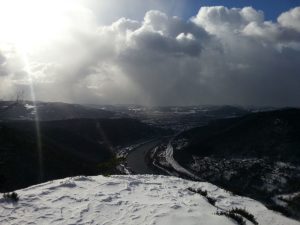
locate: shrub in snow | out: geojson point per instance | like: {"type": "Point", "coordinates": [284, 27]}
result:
{"type": "Point", "coordinates": [245, 214]}
{"type": "Point", "coordinates": [211, 200]}
{"type": "Point", "coordinates": [199, 191]}
{"type": "Point", "coordinates": [235, 217]}
{"type": "Point", "coordinates": [11, 196]}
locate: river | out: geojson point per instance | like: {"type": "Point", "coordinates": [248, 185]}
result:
{"type": "Point", "coordinates": [136, 158]}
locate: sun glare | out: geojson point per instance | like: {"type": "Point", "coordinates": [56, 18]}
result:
{"type": "Point", "coordinates": [28, 25]}
{"type": "Point", "coordinates": [32, 23]}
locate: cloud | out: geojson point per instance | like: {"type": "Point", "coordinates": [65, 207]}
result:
{"type": "Point", "coordinates": [221, 19]}
{"type": "Point", "coordinates": [3, 63]}
{"type": "Point", "coordinates": [290, 19]}
{"type": "Point", "coordinates": [220, 56]}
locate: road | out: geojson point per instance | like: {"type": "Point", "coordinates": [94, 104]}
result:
{"type": "Point", "coordinates": [175, 165]}
{"type": "Point", "coordinates": [136, 158]}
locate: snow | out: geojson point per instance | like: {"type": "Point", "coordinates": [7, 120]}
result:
{"type": "Point", "coordinates": [283, 199]}
{"type": "Point", "coordinates": [175, 165]}
{"type": "Point", "coordinates": [138, 199]}
{"type": "Point", "coordinates": [29, 107]}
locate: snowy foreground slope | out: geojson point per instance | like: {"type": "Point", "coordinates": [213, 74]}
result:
{"type": "Point", "coordinates": [139, 199]}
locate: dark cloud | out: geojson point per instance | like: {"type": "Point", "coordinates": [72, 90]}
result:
{"type": "Point", "coordinates": [220, 56]}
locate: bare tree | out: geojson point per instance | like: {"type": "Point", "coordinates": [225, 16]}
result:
{"type": "Point", "coordinates": [18, 99]}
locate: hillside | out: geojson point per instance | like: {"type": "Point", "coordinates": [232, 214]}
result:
{"type": "Point", "coordinates": [26, 110]}
{"type": "Point", "coordinates": [274, 134]}
{"type": "Point", "coordinates": [68, 148]}
{"type": "Point", "coordinates": [131, 200]}
{"type": "Point", "coordinates": [257, 155]}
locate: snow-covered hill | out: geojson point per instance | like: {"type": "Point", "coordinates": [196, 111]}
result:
{"type": "Point", "coordinates": [139, 199]}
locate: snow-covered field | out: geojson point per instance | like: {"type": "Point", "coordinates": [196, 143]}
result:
{"type": "Point", "coordinates": [139, 199]}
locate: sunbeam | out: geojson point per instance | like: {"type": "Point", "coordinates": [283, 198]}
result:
{"type": "Point", "coordinates": [36, 115]}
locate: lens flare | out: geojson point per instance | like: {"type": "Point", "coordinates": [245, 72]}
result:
{"type": "Point", "coordinates": [36, 116]}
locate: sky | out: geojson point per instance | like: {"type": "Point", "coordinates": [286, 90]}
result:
{"type": "Point", "coordinates": [151, 52]}
{"type": "Point", "coordinates": [272, 8]}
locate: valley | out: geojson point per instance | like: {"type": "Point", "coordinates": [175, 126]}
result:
{"type": "Point", "coordinates": [248, 151]}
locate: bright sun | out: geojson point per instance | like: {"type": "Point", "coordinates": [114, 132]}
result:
{"type": "Point", "coordinates": [31, 23]}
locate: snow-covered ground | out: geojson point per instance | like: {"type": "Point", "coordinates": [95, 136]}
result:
{"type": "Point", "coordinates": [139, 199]}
